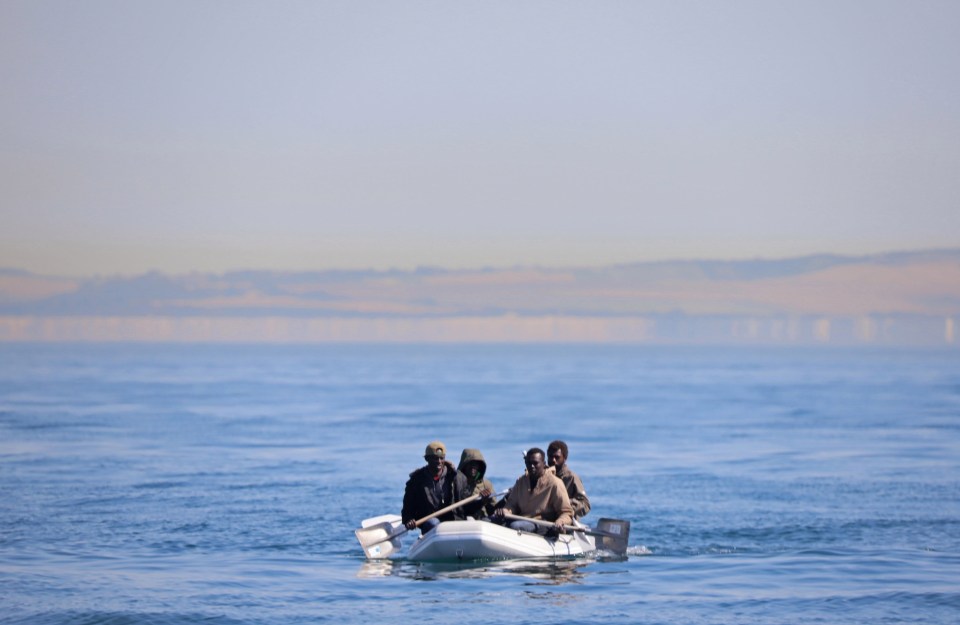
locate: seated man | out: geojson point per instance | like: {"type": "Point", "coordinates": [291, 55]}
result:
{"type": "Point", "coordinates": [474, 467]}
{"type": "Point", "coordinates": [538, 495]}
{"type": "Point", "coordinates": [433, 487]}
{"type": "Point", "coordinates": [557, 454]}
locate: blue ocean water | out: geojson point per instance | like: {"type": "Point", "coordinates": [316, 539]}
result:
{"type": "Point", "coordinates": [222, 484]}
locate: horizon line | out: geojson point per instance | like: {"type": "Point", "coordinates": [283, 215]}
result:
{"type": "Point", "coordinates": [13, 270]}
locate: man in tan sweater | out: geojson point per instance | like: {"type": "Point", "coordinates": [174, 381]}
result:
{"type": "Point", "coordinates": [538, 494]}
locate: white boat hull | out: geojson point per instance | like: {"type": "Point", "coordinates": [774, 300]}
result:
{"type": "Point", "coordinates": [482, 540]}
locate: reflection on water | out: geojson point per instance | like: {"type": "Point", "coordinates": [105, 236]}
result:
{"type": "Point", "coordinates": [543, 571]}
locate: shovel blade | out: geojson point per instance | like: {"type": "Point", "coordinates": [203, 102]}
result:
{"type": "Point", "coordinates": [378, 540]}
{"type": "Point", "coordinates": [616, 534]}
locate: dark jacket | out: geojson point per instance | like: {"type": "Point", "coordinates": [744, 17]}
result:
{"type": "Point", "coordinates": [424, 496]}
{"type": "Point", "coordinates": [477, 509]}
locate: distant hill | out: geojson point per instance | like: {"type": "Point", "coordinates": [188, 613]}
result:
{"type": "Point", "coordinates": [653, 296]}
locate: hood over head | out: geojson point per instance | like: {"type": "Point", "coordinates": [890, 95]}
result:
{"type": "Point", "coordinates": [472, 455]}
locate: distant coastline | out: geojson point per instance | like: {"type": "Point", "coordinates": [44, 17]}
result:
{"type": "Point", "coordinates": [903, 298]}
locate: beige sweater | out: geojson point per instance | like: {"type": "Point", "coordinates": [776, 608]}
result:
{"type": "Point", "coordinates": [547, 501]}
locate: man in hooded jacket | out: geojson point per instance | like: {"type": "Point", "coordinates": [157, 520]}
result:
{"type": "Point", "coordinates": [432, 487]}
{"type": "Point", "coordinates": [474, 467]}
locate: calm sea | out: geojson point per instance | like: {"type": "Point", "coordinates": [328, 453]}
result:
{"type": "Point", "coordinates": [222, 484]}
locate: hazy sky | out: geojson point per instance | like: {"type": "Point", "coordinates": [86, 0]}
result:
{"type": "Point", "coordinates": [216, 135]}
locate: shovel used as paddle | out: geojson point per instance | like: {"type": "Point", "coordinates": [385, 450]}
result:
{"type": "Point", "coordinates": [613, 533]}
{"type": "Point", "coordinates": [382, 539]}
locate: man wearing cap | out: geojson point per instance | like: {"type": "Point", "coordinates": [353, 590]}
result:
{"type": "Point", "coordinates": [432, 487]}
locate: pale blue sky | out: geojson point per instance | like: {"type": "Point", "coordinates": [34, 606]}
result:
{"type": "Point", "coordinates": [219, 135]}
